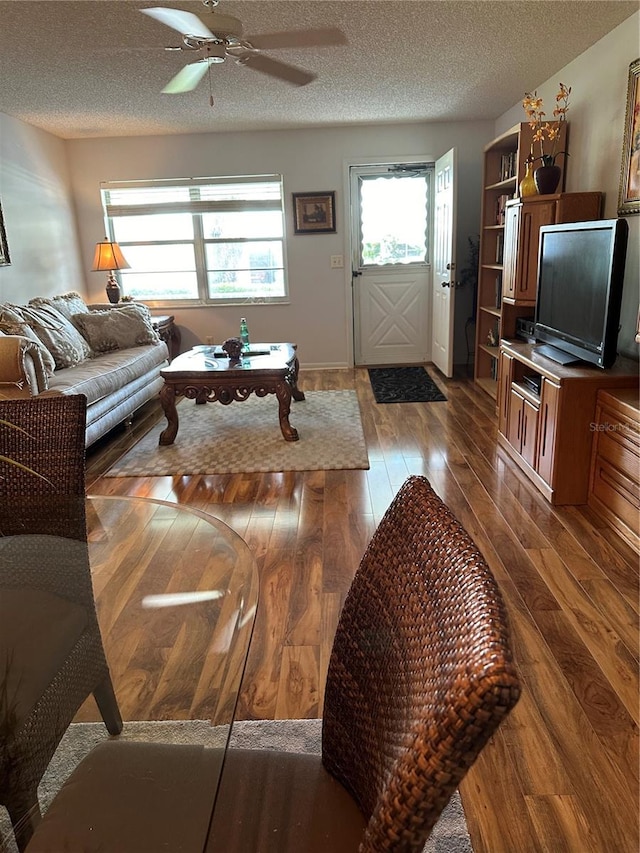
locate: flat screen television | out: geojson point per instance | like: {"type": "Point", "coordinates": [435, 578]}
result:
{"type": "Point", "coordinates": [580, 278]}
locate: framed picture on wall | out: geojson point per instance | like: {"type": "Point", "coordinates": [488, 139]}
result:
{"type": "Point", "coordinates": [629, 197]}
{"type": "Point", "coordinates": [5, 260]}
{"type": "Point", "coordinates": [314, 213]}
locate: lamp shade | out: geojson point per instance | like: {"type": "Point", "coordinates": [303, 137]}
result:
{"type": "Point", "coordinates": [109, 256]}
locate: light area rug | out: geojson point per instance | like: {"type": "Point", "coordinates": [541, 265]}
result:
{"type": "Point", "coordinates": [450, 835]}
{"type": "Point", "coordinates": [245, 437]}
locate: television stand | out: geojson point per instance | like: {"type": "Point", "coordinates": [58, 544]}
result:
{"type": "Point", "coordinates": [557, 355]}
{"type": "Point", "coordinates": [547, 416]}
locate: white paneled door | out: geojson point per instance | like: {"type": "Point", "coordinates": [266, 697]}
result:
{"type": "Point", "coordinates": [391, 272]}
{"type": "Point", "coordinates": [444, 264]}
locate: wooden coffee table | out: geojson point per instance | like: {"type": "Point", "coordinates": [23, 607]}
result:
{"type": "Point", "coordinates": [206, 375]}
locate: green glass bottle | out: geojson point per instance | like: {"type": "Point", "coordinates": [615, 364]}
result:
{"type": "Point", "coordinates": [244, 334]}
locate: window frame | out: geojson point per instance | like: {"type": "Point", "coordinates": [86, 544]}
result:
{"type": "Point", "coordinates": [198, 208]}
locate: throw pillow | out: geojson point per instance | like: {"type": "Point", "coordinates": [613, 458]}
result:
{"type": "Point", "coordinates": [12, 323]}
{"type": "Point", "coordinates": [117, 328]}
{"type": "Point", "coordinates": [67, 304]}
{"type": "Point", "coordinates": [59, 335]}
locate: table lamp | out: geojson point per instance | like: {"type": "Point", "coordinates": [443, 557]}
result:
{"type": "Point", "coordinates": [109, 257]}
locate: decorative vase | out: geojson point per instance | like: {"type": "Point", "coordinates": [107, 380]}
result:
{"type": "Point", "coordinates": [547, 179]}
{"type": "Point", "coordinates": [113, 291]}
{"type": "Point", "coordinates": [527, 184]}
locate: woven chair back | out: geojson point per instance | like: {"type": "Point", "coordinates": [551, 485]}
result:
{"type": "Point", "coordinates": [421, 671]}
{"type": "Point", "coordinates": [42, 466]}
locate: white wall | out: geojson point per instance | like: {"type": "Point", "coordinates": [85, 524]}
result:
{"type": "Point", "coordinates": [596, 127]}
{"type": "Point", "coordinates": [318, 316]}
{"type": "Point", "coordinates": [39, 214]}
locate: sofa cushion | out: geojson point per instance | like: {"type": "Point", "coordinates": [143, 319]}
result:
{"type": "Point", "coordinates": [109, 372]}
{"type": "Point", "coordinates": [12, 323]}
{"type": "Point", "coordinates": [117, 328]}
{"type": "Point", "coordinates": [67, 304]}
{"type": "Point", "coordinates": [59, 335]}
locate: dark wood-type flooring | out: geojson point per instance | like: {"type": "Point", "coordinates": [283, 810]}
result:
{"type": "Point", "coordinates": [562, 772]}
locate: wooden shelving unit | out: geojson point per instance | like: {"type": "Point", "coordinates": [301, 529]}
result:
{"type": "Point", "coordinates": [509, 239]}
{"type": "Point", "coordinates": [504, 168]}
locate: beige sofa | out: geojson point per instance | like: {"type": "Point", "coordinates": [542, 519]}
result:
{"type": "Point", "coordinates": [62, 345]}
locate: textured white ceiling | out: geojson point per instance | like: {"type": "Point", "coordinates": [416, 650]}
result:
{"type": "Point", "coordinates": [95, 68]}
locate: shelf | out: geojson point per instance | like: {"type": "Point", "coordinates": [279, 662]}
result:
{"type": "Point", "coordinates": [494, 227]}
{"type": "Point", "coordinates": [490, 309]}
{"type": "Point", "coordinates": [490, 386]}
{"type": "Point", "coordinates": [502, 185]}
{"type": "Point", "coordinates": [526, 392]}
{"type": "Point", "coordinates": [498, 267]}
{"type": "Point", "coordinates": [494, 352]}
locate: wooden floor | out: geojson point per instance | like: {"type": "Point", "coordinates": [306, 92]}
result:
{"type": "Point", "coordinates": [562, 772]}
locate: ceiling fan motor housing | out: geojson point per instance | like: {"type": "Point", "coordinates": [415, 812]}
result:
{"type": "Point", "coordinates": [215, 51]}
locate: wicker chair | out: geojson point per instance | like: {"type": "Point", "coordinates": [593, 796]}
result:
{"type": "Point", "coordinates": [420, 676]}
{"type": "Point", "coordinates": [51, 654]}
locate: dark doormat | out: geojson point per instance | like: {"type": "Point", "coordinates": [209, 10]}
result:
{"type": "Point", "coordinates": [404, 385]}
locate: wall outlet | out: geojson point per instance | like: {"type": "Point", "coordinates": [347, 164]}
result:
{"type": "Point", "coordinates": [337, 262]}
{"type": "Point", "coordinates": [209, 340]}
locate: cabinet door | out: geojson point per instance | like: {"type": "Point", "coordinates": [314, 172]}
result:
{"type": "Point", "coordinates": [505, 377]}
{"type": "Point", "coordinates": [532, 217]}
{"type": "Point", "coordinates": [529, 432]}
{"type": "Point", "coordinates": [514, 426]}
{"type": "Point", "coordinates": [547, 430]}
{"type": "Point", "coordinates": [510, 250]}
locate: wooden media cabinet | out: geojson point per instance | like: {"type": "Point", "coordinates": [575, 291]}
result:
{"type": "Point", "coordinates": [547, 417]}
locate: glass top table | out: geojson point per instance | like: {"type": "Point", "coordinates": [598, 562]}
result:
{"type": "Point", "coordinates": [176, 592]}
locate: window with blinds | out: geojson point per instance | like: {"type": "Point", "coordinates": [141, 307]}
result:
{"type": "Point", "coordinates": [201, 240]}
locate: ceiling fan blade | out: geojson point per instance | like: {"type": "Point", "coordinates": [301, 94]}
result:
{"type": "Point", "coordinates": [188, 78]}
{"type": "Point", "coordinates": [298, 38]}
{"type": "Point", "coordinates": [275, 68]}
{"type": "Point", "coordinates": [184, 22]}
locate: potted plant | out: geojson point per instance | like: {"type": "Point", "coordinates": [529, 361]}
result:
{"type": "Point", "coordinates": [547, 176]}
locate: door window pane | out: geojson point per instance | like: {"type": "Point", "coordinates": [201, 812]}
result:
{"type": "Point", "coordinates": [393, 220]}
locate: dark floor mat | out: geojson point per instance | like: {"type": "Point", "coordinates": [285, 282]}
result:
{"type": "Point", "coordinates": [404, 385]}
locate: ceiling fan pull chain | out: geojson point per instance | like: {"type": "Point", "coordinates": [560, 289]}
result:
{"type": "Point", "coordinates": [210, 86]}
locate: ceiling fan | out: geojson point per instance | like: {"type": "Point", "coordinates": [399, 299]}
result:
{"type": "Point", "coordinates": [223, 39]}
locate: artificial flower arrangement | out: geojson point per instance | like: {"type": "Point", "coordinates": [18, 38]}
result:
{"type": "Point", "coordinates": [543, 131]}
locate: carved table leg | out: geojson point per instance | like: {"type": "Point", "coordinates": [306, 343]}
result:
{"type": "Point", "coordinates": [296, 393]}
{"type": "Point", "coordinates": [283, 393]}
{"type": "Point", "coordinates": [168, 401]}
